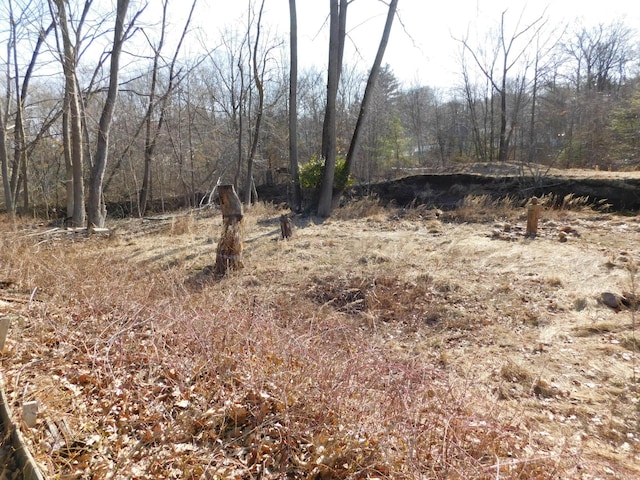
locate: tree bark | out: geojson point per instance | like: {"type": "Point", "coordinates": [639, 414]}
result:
{"type": "Point", "coordinates": [258, 80]}
{"type": "Point", "coordinates": [20, 144]}
{"type": "Point", "coordinates": [296, 193]}
{"type": "Point", "coordinates": [329, 129]}
{"type": "Point", "coordinates": [229, 249]}
{"type": "Point", "coordinates": [74, 146]}
{"type": "Point", "coordinates": [150, 139]}
{"type": "Point", "coordinates": [68, 160]}
{"type": "Point", "coordinates": [4, 156]}
{"type": "Point", "coordinates": [368, 94]}
{"type": "Point", "coordinates": [96, 212]}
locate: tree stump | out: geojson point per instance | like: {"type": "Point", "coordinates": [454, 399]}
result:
{"type": "Point", "coordinates": [286, 227]}
{"type": "Point", "coordinates": [4, 329]}
{"type": "Point", "coordinates": [533, 213]}
{"type": "Point", "coordinates": [229, 251]}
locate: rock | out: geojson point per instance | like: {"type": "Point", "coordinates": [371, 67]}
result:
{"type": "Point", "coordinates": [612, 300]}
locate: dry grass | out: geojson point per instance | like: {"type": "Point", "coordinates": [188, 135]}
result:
{"type": "Point", "coordinates": [378, 344]}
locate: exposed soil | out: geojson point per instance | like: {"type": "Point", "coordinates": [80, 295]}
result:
{"type": "Point", "coordinates": [620, 191]}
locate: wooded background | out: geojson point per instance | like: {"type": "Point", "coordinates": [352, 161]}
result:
{"type": "Point", "coordinates": [98, 107]}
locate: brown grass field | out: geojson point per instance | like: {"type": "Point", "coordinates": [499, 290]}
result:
{"type": "Point", "coordinates": [381, 343]}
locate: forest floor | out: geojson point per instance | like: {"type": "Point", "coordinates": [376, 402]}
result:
{"type": "Point", "coordinates": [381, 343]}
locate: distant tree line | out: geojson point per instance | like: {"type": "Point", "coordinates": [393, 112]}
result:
{"type": "Point", "coordinates": [82, 85]}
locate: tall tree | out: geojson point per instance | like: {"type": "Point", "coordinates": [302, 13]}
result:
{"type": "Point", "coordinates": [96, 210]}
{"type": "Point", "coordinates": [544, 62]}
{"type": "Point", "coordinates": [600, 56]}
{"type": "Point", "coordinates": [337, 33]}
{"type": "Point", "coordinates": [73, 145]}
{"type": "Point", "coordinates": [258, 69]}
{"type": "Point", "coordinates": [368, 95]}
{"type": "Point", "coordinates": [296, 193]}
{"type": "Point", "coordinates": [19, 175]}
{"type": "Point", "coordinates": [4, 159]}
{"type": "Point", "coordinates": [224, 79]}
{"type": "Point", "coordinates": [154, 123]}
{"type": "Point", "coordinates": [511, 55]}
{"type": "Point", "coordinates": [597, 61]}
{"type": "Point", "coordinates": [416, 107]}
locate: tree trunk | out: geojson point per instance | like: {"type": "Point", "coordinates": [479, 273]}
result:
{"type": "Point", "coordinates": [4, 118]}
{"type": "Point", "coordinates": [241, 100]}
{"type": "Point", "coordinates": [74, 146]}
{"type": "Point", "coordinates": [257, 78]}
{"type": "Point", "coordinates": [96, 208]}
{"type": "Point", "coordinates": [368, 94]}
{"type": "Point", "coordinates": [329, 129]}
{"type": "Point", "coordinates": [8, 198]}
{"type": "Point", "coordinates": [532, 120]}
{"type": "Point", "coordinates": [77, 157]}
{"type": "Point", "coordinates": [295, 199]}
{"type": "Point", "coordinates": [149, 138]}
{"type": "Point", "coordinates": [19, 131]}
{"type": "Point", "coordinates": [503, 147]}
{"type": "Point", "coordinates": [153, 131]}
{"type": "Point", "coordinates": [68, 161]}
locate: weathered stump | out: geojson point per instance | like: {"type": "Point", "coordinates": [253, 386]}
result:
{"type": "Point", "coordinates": [229, 251]}
{"type": "Point", "coordinates": [286, 227]}
{"type": "Point", "coordinates": [533, 213]}
{"type": "Point", "coordinates": [4, 329]}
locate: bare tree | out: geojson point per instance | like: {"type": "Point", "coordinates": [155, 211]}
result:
{"type": "Point", "coordinates": [337, 32]}
{"type": "Point", "coordinates": [225, 117]}
{"type": "Point", "coordinates": [598, 59]}
{"type": "Point", "coordinates": [4, 157]}
{"type": "Point", "coordinates": [153, 126]}
{"type": "Point", "coordinates": [544, 62]}
{"type": "Point", "coordinates": [296, 194]}
{"type": "Point", "coordinates": [96, 210]}
{"type": "Point", "coordinates": [73, 144]}
{"type": "Point", "coordinates": [15, 172]}
{"type": "Point", "coordinates": [600, 56]}
{"type": "Point", "coordinates": [20, 143]}
{"type": "Point", "coordinates": [258, 69]}
{"type": "Point", "coordinates": [368, 94]}
{"type": "Point", "coordinates": [509, 59]}
{"type": "Point", "coordinates": [328, 197]}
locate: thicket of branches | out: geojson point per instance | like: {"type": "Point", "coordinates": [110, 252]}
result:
{"type": "Point", "coordinates": [185, 119]}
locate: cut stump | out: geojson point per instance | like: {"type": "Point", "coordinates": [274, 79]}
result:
{"type": "Point", "coordinates": [286, 227]}
{"type": "Point", "coordinates": [229, 251]}
{"type": "Point", "coordinates": [533, 213]}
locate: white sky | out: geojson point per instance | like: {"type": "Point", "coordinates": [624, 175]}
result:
{"type": "Point", "coordinates": [422, 49]}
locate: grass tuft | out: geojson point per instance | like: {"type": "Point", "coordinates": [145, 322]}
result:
{"type": "Point", "coordinates": [367, 207]}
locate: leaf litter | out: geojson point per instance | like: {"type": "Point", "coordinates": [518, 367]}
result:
{"type": "Point", "coordinates": [379, 347]}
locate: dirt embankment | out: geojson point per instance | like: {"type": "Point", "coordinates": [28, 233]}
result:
{"type": "Point", "coordinates": [448, 190]}
{"type": "Point", "coordinates": [620, 190]}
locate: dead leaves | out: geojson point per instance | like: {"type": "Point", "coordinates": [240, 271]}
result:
{"type": "Point", "coordinates": [140, 377]}
{"type": "Point", "coordinates": [387, 298]}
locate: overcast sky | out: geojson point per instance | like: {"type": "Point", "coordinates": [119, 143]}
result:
{"type": "Point", "coordinates": [422, 49]}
